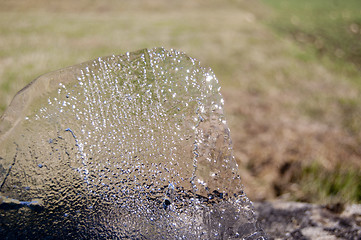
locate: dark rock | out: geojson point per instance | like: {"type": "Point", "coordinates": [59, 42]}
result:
{"type": "Point", "coordinates": [292, 220]}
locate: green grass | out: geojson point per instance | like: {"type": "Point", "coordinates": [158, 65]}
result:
{"type": "Point", "coordinates": [331, 27]}
{"type": "Point", "coordinates": [328, 32]}
{"type": "Point", "coordinates": [324, 186]}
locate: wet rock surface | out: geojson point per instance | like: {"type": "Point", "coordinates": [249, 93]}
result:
{"type": "Point", "coordinates": [294, 220]}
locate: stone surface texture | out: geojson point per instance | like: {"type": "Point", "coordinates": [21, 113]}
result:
{"type": "Point", "coordinates": [294, 220]}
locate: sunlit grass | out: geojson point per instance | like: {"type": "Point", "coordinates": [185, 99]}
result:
{"type": "Point", "coordinates": [323, 186]}
{"type": "Point", "coordinates": [331, 27]}
{"type": "Point", "coordinates": [328, 32]}
{"type": "Point", "coordinates": [36, 41]}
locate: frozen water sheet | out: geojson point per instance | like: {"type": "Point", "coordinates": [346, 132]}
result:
{"type": "Point", "coordinates": [133, 146]}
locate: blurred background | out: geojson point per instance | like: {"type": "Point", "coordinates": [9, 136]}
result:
{"type": "Point", "coordinates": [290, 73]}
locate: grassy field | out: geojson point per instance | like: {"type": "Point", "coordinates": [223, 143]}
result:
{"type": "Point", "coordinates": [290, 76]}
{"type": "Point", "coordinates": [331, 28]}
{"type": "Point", "coordinates": [327, 32]}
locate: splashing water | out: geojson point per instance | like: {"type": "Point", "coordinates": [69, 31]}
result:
{"type": "Point", "coordinates": [133, 146]}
